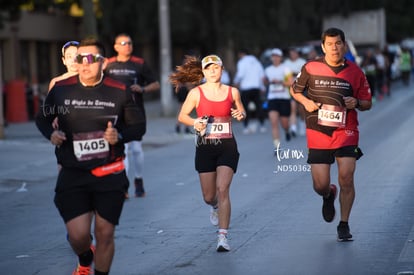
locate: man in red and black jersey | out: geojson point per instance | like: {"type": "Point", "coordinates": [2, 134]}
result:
{"type": "Point", "coordinates": [135, 73]}
{"type": "Point", "coordinates": [335, 89]}
{"type": "Point", "coordinates": [96, 115]}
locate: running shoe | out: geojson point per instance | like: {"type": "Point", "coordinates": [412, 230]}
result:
{"type": "Point", "coordinates": [328, 208]}
{"type": "Point", "coordinates": [302, 128]}
{"type": "Point", "coordinates": [85, 270]}
{"type": "Point", "coordinates": [343, 233]}
{"type": "Point", "coordinates": [222, 244]}
{"type": "Point", "coordinates": [293, 130]}
{"type": "Point", "coordinates": [263, 129]}
{"type": "Point", "coordinates": [287, 136]}
{"type": "Point", "coordinates": [246, 131]}
{"type": "Point", "coordinates": [139, 188]}
{"type": "Point", "coordinates": [214, 216]}
{"type": "Point", "coordinates": [253, 128]}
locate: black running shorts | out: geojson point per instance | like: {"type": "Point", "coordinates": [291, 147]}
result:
{"type": "Point", "coordinates": [79, 192]}
{"type": "Point", "coordinates": [319, 156]}
{"type": "Point", "coordinates": [282, 106]}
{"type": "Point", "coordinates": [211, 153]}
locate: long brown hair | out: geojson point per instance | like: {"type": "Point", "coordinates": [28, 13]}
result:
{"type": "Point", "coordinates": [189, 72]}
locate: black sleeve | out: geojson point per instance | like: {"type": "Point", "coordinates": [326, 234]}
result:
{"type": "Point", "coordinates": [301, 82]}
{"type": "Point", "coordinates": [134, 121]}
{"type": "Point", "coordinates": [46, 115]}
{"type": "Point", "coordinates": [148, 76]}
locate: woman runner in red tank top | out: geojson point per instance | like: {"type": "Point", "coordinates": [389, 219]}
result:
{"type": "Point", "coordinates": [216, 155]}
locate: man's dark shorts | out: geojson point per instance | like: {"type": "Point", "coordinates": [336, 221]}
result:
{"type": "Point", "coordinates": [327, 156]}
{"type": "Point", "coordinates": [282, 106]}
{"type": "Point", "coordinates": [79, 192]}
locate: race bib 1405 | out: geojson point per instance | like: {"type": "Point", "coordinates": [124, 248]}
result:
{"type": "Point", "coordinates": [91, 145]}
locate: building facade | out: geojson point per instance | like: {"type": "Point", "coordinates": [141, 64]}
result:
{"type": "Point", "coordinates": [30, 49]}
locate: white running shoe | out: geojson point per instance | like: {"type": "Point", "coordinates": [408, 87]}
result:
{"type": "Point", "coordinates": [263, 129]}
{"type": "Point", "coordinates": [214, 216]}
{"type": "Point", "coordinates": [253, 128]}
{"type": "Point", "coordinates": [293, 130]}
{"type": "Point", "coordinates": [246, 131]}
{"type": "Point", "coordinates": [222, 244]}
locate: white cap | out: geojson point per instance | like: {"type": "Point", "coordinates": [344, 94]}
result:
{"type": "Point", "coordinates": [211, 59]}
{"type": "Point", "coordinates": [277, 51]}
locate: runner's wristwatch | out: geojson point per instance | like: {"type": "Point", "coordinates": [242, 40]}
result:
{"type": "Point", "coordinates": [358, 104]}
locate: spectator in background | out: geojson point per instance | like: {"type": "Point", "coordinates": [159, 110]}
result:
{"type": "Point", "coordinates": [349, 56]}
{"type": "Point", "coordinates": [225, 77]}
{"type": "Point", "coordinates": [295, 63]}
{"type": "Point", "coordinates": [69, 50]}
{"type": "Point", "coordinates": [135, 73]}
{"type": "Point", "coordinates": [249, 80]}
{"type": "Point", "coordinates": [369, 66]}
{"type": "Point", "coordinates": [278, 78]}
{"type": "Point", "coordinates": [312, 54]}
{"type": "Point", "coordinates": [181, 94]}
{"type": "Point", "coordinates": [381, 68]}
{"type": "Point", "coordinates": [405, 65]}
{"type": "Point", "coordinates": [389, 60]}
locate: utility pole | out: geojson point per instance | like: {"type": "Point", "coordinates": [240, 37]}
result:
{"type": "Point", "coordinates": [89, 19]}
{"type": "Point", "coordinates": [165, 54]}
{"type": "Point", "coordinates": [1, 99]}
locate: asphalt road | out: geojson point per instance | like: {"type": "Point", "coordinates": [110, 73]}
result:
{"type": "Point", "coordinates": [276, 226]}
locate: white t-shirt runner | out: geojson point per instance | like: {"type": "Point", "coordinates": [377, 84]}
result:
{"type": "Point", "coordinates": [277, 90]}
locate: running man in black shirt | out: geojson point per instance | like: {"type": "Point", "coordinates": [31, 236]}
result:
{"type": "Point", "coordinates": [96, 117]}
{"type": "Point", "coordinates": [135, 73]}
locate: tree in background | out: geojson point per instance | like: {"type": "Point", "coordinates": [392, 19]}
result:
{"type": "Point", "coordinates": [205, 26]}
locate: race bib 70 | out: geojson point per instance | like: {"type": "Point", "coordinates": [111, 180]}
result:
{"type": "Point", "coordinates": [219, 127]}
